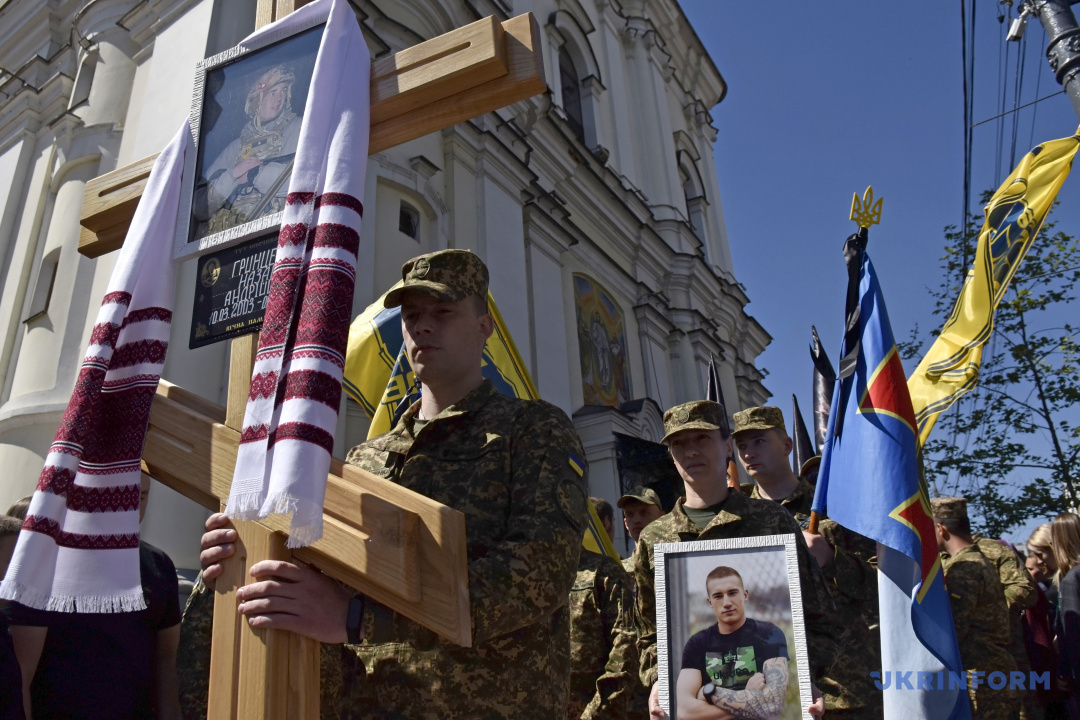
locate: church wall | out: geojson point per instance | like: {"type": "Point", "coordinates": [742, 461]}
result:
{"type": "Point", "coordinates": [517, 186]}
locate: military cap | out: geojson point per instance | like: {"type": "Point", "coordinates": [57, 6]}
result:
{"type": "Point", "coordinates": [447, 274]}
{"type": "Point", "coordinates": [759, 418]}
{"type": "Point", "coordinates": [695, 415]}
{"type": "Point", "coordinates": [641, 494]}
{"type": "Point", "coordinates": [947, 508]}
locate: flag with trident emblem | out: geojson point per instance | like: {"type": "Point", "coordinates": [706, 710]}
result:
{"type": "Point", "coordinates": [1014, 216]}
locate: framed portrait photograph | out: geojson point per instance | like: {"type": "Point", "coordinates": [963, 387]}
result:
{"type": "Point", "coordinates": [730, 628]}
{"type": "Point", "coordinates": [247, 108]}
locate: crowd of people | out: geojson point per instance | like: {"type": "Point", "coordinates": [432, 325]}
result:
{"type": "Point", "coordinates": [559, 633]}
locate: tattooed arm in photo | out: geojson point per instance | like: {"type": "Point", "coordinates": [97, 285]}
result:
{"type": "Point", "coordinates": [765, 704]}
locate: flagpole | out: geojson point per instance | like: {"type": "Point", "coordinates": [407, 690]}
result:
{"type": "Point", "coordinates": [1062, 50]}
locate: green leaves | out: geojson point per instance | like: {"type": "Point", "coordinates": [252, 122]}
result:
{"type": "Point", "coordinates": [1012, 445]}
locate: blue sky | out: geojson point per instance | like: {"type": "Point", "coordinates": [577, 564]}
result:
{"type": "Point", "coordinates": [825, 99]}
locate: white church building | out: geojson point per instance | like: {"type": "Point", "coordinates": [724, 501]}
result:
{"type": "Point", "coordinates": [595, 206]}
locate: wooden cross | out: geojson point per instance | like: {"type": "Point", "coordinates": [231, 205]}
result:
{"type": "Point", "coordinates": [398, 547]}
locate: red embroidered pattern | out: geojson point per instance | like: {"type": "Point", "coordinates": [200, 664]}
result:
{"type": "Point", "coordinates": [252, 434]}
{"type": "Point", "coordinates": [140, 352]}
{"type": "Point", "coordinates": [337, 236]}
{"type": "Point", "coordinates": [150, 313]}
{"type": "Point", "coordinates": [303, 431]}
{"type": "Point", "coordinates": [263, 385]}
{"type": "Point", "coordinates": [118, 297]}
{"type": "Point", "coordinates": [341, 200]}
{"type": "Point", "coordinates": [299, 198]}
{"type": "Point", "coordinates": [48, 526]}
{"type": "Point", "coordinates": [314, 385]}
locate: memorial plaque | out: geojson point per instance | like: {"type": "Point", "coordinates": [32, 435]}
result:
{"type": "Point", "coordinates": [231, 289]}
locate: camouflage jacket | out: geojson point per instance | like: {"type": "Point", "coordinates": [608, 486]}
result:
{"type": "Point", "coordinates": [603, 641]}
{"type": "Point", "coordinates": [509, 465]}
{"type": "Point", "coordinates": [739, 517]}
{"type": "Point", "coordinates": [852, 581]}
{"type": "Point", "coordinates": [1016, 583]}
{"type": "Point", "coordinates": [979, 611]}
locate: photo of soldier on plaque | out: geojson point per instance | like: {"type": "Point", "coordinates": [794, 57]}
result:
{"type": "Point", "coordinates": [250, 177]}
{"type": "Point", "coordinates": [249, 109]}
{"type": "Point", "coordinates": [729, 631]}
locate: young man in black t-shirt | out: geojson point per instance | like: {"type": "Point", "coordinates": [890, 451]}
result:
{"type": "Point", "coordinates": [737, 654]}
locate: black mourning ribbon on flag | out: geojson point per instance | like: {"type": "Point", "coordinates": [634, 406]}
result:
{"type": "Point", "coordinates": [824, 384]}
{"type": "Point", "coordinates": [854, 248]}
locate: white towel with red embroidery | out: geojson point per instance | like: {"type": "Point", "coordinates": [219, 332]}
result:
{"type": "Point", "coordinates": [78, 550]}
{"type": "Point", "coordinates": [288, 433]}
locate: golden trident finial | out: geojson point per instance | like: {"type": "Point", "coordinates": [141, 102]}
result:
{"type": "Point", "coordinates": [867, 212]}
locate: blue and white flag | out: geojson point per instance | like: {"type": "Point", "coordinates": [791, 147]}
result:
{"type": "Point", "coordinates": [869, 483]}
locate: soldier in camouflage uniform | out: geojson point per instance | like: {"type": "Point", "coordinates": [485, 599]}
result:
{"type": "Point", "coordinates": [1020, 594]}
{"type": "Point", "coordinates": [846, 558]}
{"type": "Point", "coordinates": [640, 507]}
{"type": "Point", "coordinates": [250, 177]}
{"type": "Point", "coordinates": [603, 641]}
{"type": "Point", "coordinates": [515, 469]}
{"type": "Point", "coordinates": [979, 611]}
{"type": "Point", "coordinates": [709, 511]}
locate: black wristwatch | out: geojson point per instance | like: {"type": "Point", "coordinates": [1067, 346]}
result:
{"type": "Point", "coordinates": [708, 691]}
{"type": "Point", "coordinates": [354, 621]}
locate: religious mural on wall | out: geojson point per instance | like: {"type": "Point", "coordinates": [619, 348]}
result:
{"type": "Point", "coordinates": [605, 371]}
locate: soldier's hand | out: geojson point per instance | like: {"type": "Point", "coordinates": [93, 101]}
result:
{"type": "Point", "coordinates": [820, 548]}
{"type": "Point", "coordinates": [244, 166]}
{"type": "Point", "coordinates": [817, 708]}
{"type": "Point", "coordinates": [756, 682]}
{"type": "Point", "coordinates": [655, 711]}
{"type": "Point", "coordinates": [217, 545]}
{"type": "Point", "coordinates": [295, 598]}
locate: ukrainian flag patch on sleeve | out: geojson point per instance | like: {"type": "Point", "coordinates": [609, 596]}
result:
{"type": "Point", "coordinates": [577, 465]}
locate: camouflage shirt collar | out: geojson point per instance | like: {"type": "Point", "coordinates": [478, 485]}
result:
{"type": "Point", "coordinates": [733, 510]}
{"type": "Point", "coordinates": [474, 401]}
{"type": "Point", "coordinates": [966, 550]}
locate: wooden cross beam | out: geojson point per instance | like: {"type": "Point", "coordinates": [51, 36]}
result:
{"type": "Point", "coordinates": [400, 548]}
{"type": "Point", "coordinates": [454, 77]}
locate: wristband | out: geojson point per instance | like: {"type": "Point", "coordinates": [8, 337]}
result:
{"type": "Point", "coordinates": [354, 621]}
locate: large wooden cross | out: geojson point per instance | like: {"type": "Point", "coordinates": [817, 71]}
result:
{"type": "Point", "coordinates": [398, 547]}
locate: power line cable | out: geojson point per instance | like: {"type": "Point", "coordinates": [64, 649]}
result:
{"type": "Point", "coordinates": [1038, 81]}
{"type": "Point", "coordinates": [1002, 84]}
{"type": "Point", "coordinates": [967, 52]}
{"type": "Point", "coordinates": [1025, 105]}
{"type": "Point", "coordinates": [1018, 92]}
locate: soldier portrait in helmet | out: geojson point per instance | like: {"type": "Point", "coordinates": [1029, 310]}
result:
{"type": "Point", "coordinates": [246, 120]}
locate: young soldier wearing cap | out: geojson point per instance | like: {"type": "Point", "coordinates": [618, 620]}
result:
{"type": "Point", "coordinates": [603, 636]}
{"type": "Point", "coordinates": [846, 560]}
{"type": "Point", "coordinates": [639, 507]}
{"type": "Point", "coordinates": [979, 611]}
{"type": "Point", "coordinates": [514, 468]}
{"type": "Point", "coordinates": [710, 511]}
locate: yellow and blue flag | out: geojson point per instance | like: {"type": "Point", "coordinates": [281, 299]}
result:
{"type": "Point", "coordinates": [1014, 216]}
{"type": "Point", "coordinates": [596, 537]}
{"type": "Point", "coordinates": [869, 483]}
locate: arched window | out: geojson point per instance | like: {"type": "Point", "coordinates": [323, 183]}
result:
{"type": "Point", "coordinates": [409, 220]}
{"type": "Point", "coordinates": [570, 83]}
